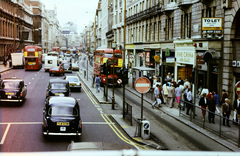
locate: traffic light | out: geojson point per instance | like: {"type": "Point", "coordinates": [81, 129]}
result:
{"type": "Point", "coordinates": [103, 68]}
{"type": "Point", "coordinates": [125, 76]}
{"type": "Point", "coordinates": [108, 70]}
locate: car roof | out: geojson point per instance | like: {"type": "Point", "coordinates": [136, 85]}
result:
{"type": "Point", "coordinates": [72, 76]}
{"type": "Point", "coordinates": [12, 79]}
{"type": "Point", "coordinates": [62, 101]}
{"type": "Point", "coordinates": [58, 81]}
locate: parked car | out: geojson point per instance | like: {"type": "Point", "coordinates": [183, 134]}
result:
{"type": "Point", "coordinates": [74, 82]}
{"type": "Point", "coordinates": [56, 70]}
{"type": "Point", "coordinates": [13, 90]}
{"type": "Point", "coordinates": [75, 67]}
{"type": "Point", "coordinates": [58, 87]}
{"type": "Point", "coordinates": [61, 116]}
{"type": "Point", "coordinates": [67, 66]}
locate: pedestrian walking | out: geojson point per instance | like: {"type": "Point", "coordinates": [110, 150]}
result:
{"type": "Point", "coordinates": [216, 98]}
{"type": "Point", "coordinates": [186, 83]}
{"type": "Point", "coordinates": [180, 81]}
{"type": "Point", "coordinates": [189, 100]}
{"type": "Point", "coordinates": [211, 107]}
{"type": "Point", "coordinates": [178, 94]}
{"type": "Point", "coordinates": [165, 92]}
{"type": "Point", "coordinates": [158, 102]}
{"type": "Point", "coordinates": [185, 93]}
{"type": "Point", "coordinates": [236, 108]}
{"type": "Point", "coordinates": [226, 110]}
{"type": "Point", "coordinates": [203, 103]}
{"type": "Point", "coordinates": [156, 93]}
{"type": "Point", "coordinates": [97, 81]}
{"type": "Point", "coordinates": [160, 92]}
{"type": "Point", "coordinates": [224, 96]}
{"type": "Point", "coordinates": [171, 95]}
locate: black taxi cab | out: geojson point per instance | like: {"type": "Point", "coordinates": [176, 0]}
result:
{"type": "Point", "coordinates": [13, 90]}
{"type": "Point", "coordinates": [61, 116]}
{"type": "Point", "coordinates": [58, 86]}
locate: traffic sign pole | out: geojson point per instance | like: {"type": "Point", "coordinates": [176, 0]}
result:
{"type": "Point", "coordinates": [142, 107]}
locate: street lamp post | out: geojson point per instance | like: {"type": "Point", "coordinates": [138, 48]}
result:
{"type": "Point", "coordinates": [124, 40]}
{"type": "Point", "coordinates": [113, 47]}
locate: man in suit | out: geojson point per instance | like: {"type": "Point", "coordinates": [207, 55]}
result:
{"type": "Point", "coordinates": [226, 110]}
{"type": "Point", "coordinates": [236, 107]}
{"type": "Point", "coordinates": [224, 96]}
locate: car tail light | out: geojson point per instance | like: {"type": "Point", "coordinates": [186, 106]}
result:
{"type": "Point", "coordinates": [21, 94]}
{"type": "Point", "coordinates": [80, 124]}
{"type": "Point", "coordinates": [47, 94]}
{"type": "Point", "coordinates": [45, 123]}
{"type": "Point", "coordinates": [80, 84]}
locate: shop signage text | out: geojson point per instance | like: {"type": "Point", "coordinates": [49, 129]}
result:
{"type": "Point", "coordinates": [140, 54]}
{"type": "Point", "coordinates": [212, 24]}
{"type": "Point", "coordinates": [147, 56]}
{"type": "Point", "coordinates": [170, 59]}
{"type": "Point", "coordinates": [130, 46]}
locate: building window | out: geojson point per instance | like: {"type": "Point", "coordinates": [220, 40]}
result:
{"type": "Point", "coordinates": [159, 30]}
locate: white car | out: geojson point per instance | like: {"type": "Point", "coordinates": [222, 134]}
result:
{"type": "Point", "coordinates": [74, 82]}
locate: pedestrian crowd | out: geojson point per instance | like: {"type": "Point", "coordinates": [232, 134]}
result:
{"type": "Point", "coordinates": [209, 101]}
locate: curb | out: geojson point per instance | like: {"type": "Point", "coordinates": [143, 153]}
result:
{"type": "Point", "coordinates": [6, 70]}
{"type": "Point", "coordinates": [214, 139]}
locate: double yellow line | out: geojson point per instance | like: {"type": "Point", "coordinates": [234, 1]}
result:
{"type": "Point", "coordinates": [113, 126]}
{"type": "Point", "coordinates": [120, 135]}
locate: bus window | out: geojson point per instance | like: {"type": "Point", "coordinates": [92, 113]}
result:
{"type": "Point", "coordinates": [31, 59]}
{"type": "Point", "coordinates": [109, 55]}
{"type": "Point", "coordinates": [117, 55]}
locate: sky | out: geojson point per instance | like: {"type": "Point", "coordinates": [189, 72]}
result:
{"type": "Point", "coordinates": [73, 11]}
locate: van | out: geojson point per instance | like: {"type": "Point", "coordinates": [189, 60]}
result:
{"type": "Point", "coordinates": [43, 57]}
{"type": "Point", "coordinates": [17, 60]}
{"type": "Point", "coordinates": [49, 62]}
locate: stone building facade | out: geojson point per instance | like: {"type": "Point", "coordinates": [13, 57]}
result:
{"type": "Point", "coordinates": [16, 14]}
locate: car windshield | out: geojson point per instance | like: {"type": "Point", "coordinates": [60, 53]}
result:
{"type": "Point", "coordinates": [66, 65]}
{"type": "Point", "coordinates": [10, 85]}
{"type": "Point", "coordinates": [58, 86]}
{"type": "Point", "coordinates": [62, 111]}
{"type": "Point", "coordinates": [72, 79]}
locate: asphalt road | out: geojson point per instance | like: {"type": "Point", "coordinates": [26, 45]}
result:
{"type": "Point", "coordinates": [21, 125]}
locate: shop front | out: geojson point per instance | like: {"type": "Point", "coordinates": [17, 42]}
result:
{"type": "Point", "coordinates": [130, 48]}
{"type": "Point", "coordinates": [139, 56]}
{"type": "Point", "coordinates": [185, 53]}
{"type": "Point", "coordinates": [168, 60]}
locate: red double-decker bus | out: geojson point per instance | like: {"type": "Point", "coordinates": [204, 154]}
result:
{"type": "Point", "coordinates": [57, 49]}
{"type": "Point", "coordinates": [101, 56]}
{"type": "Point", "coordinates": [33, 57]}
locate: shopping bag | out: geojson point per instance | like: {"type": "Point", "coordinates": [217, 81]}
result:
{"type": "Point", "coordinates": [218, 110]}
{"type": "Point", "coordinates": [234, 115]}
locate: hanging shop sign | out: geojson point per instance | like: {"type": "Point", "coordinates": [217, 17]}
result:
{"type": "Point", "coordinates": [170, 59]}
{"type": "Point", "coordinates": [140, 54]}
{"type": "Point", "coordinates": [147, 58]}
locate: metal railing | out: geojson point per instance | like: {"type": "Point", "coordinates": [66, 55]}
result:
{"type": "Point", "coordinates": [128, 112]}
{"type": "Point", "coordinates": [195, 116]}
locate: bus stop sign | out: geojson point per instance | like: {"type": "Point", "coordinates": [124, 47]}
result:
{"type": "Point", "coordinates": [142, 85]}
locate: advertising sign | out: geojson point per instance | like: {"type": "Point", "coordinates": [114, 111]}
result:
{"type": "Point", "coordinates": [212, 25]}
{"type": "Point", "coordinates": [147, 56]}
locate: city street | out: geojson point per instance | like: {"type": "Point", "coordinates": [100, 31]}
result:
{"type": "Point", "coordinates": [21, 125]}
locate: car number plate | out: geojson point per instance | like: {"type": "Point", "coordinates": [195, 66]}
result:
{"type": "Point", "coordinates": [9, 93]}
{"type": "Point", "coordinates": [9, 97]}
{"type": "Point", "coordinates": [63, 123]}
{"type": "Point", "coordinates": [62, 128]}
{"type": "Point", "coordinates": [72, 84]}
{"type": "Point", "coordinates": [57, 93]}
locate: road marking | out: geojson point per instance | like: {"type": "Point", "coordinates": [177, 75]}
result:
{"type": "Point", "coordinates": [5, 134]}
{"type": "Point", "coordinates": [120, 135]}
{"type": "Point", "coordinates": [29, 83]}
{"type": "Point", "coordinates": [35, 74]}
{"type": "Point", "coordinates": [78, 99]}
{"type": "Point", "coordinates": [42, 77]}
{"type": "Point", "coordinates": [33, 78]}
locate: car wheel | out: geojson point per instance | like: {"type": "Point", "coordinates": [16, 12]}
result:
{"type": "Point", "coordinates": [50, 74]}
{"type": "Point", "coordinates": [79, 89]}
{"type": "Point", "coordinates": [45, 136]}
{"type": "Point", "coordinates": [63, 74]}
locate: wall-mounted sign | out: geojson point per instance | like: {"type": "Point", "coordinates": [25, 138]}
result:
{"type": "Point", "coordinates": [234, 63]}
{"type": "Point", "coordinates": [131, 46]}
{"type": "Point", "coordinates": [147, 56]}
{"type": "Point", "coordinates": [238, 63]}
{"type": "Point", "coordinates": [167, 52]}
{"type": "Point", "coordinates": [170, 59]}
{"type": "Point", "coordinates": [140, 54]}
{"type": "Point", "coordinates": [212, 25]}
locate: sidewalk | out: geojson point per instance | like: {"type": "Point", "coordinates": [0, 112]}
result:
{"type": "Point", "coordinates": [3, 68]}
{"type": "Point", "coordinates": [172, 112]}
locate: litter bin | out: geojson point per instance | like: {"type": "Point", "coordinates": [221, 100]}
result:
{"type": "Point", "coordinates": [145, 130]}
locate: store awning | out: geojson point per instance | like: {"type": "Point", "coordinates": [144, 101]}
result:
{"type": "Point", "coordinates": [211, 55]}
{"type": "Point", "coordinates": [142, 68]}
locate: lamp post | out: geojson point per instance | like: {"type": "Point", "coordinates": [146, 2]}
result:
{"type": "Point", "coordinates": [113, 47]}
{"type": "Point", "coordinates": [124, 40]}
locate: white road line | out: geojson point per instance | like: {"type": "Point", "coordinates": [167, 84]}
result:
{"type": "Point", "coordinates": [33, 78]}
{"type": "Point", "coordinates": [42, 77]}
{"type": "Point", "coordinates": [5, 134]}
{"type": "Point", "coordinates": [28, 123]}
{"type": "Point", "coordinates": [29, 83]}
{"type": "Point", "coordinates": [78, 99]}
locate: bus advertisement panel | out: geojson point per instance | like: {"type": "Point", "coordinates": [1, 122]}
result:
{"type": "Point", "coordinates": [33, 57]}
{"type": "Point", "coordinates": [101, 56]}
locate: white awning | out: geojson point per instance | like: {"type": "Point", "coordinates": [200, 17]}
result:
{"type": "Point", "coordinates": [143, 68]}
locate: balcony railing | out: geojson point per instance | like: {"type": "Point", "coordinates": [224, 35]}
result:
{"type": "Point", "coordinates": [145, 13]}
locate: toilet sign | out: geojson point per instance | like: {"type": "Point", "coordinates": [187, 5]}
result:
{"type": "Point", "coordinates": [237, 88]}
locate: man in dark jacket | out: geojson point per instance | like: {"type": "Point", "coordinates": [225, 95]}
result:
{"type": "Point", "coordinates": [224, 96]}
{"type": "Point", "coordinates": [211, 107]}
{"type": "Point", "coordinates": [226, 110]}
